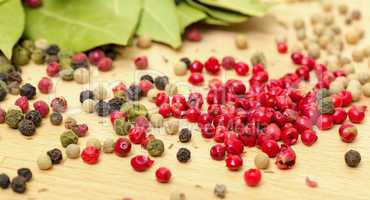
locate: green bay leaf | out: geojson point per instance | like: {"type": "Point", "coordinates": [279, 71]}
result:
{"type": "Point", "coordinates": [214, 21]}
{"type": "Point", "coordinates": [247, 7]}
{"type": "Point", "coordinates": [79, 25]}
{"type": "Point", "coordinates": [159, 21]}
{"type": "Point", "coordinates": [221, 15]}
{"type": "Point", "coordinates": [188, 15]}
{"type": "Point", "coordinates": [11, 25]}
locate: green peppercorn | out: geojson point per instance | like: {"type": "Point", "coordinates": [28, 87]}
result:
{"type": "Point", "coordinates": [322, 94]}
{"type": "Point", "coordinates": [38, 56]}
{"type": "Point", "coordinates": [121, 127]}
{"type": "Point", "coordinates": [25, 173]}
{"type": "Point", "coordinates": [326, 106]}
{"type": "Point", "coordinates": [352, 158]}
{"type": "Point", "coordinates": [13, 117]}
{"type": "Point", "coordinates": [134, 110]}
{"type": "Point", "coordinates": [21, 56]}
{"type": "Point", "coordinates": [34, 116]}
{"type": "Point", "coordinates": [19, 184]}
{"type": "Point", "coordinates": [27, 127]}
{"type": "Point", "coordinates": [3, 85]}
{"type": "Point", "coordinates": [183, 155]}
{"type": "Point", "coordinates": [56, 118]}
{"type": "Point", "coordinates": [67, 74]}
{"type": "Point", "coordinates": [28, 44]}
{"type": "Point", "coordinates": [14, 88]}
{"type": "Point", "coordinates": [185, 135]}
{"type": "Point", "coordinates": [258, 58]}
{"type": "Point", "coordinates": [155, 147]}
{"type": "Point", "coordinates": [68, 138]}
{"type": "Point", "coordinates": [55, 155]}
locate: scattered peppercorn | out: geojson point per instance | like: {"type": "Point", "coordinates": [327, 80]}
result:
{"type": "Point", "coordinates": [34, 116]}
{"type": "Point", "coordinates": [241, 41]}
{"type": "Point", "coordinates": [86, 94]}
{"type": "Point", "coordinates": [352, 158]}
{"type": "Point", "coordinates": [53, 49]}
{"type": "Point", "coordinates": [102, 108]}
{"type": "Point", "coordinates": [160, 82]}
{"type": "Point", "coordinates": [13, 117]}
{"type": "Point", "coordinates": [4, 181]}
{"type": "Point", "coordinates": [70, 123]}
{"type": "Point", "coordinates": [134, 110]}
{"type": "Point", "coordinates": [143, 42]}
{"type": "Point", "coordinates": [56, 118]}
{"type": "Point", "coordinates": [177, 196]}
{"type": "Point", "coordinates": [180, 68]}
{"type": "Point", "coordinates": [147, 77]}
{"type": "Point", "coordinates": [220, 191]}
{"type": "Point", "coordinates": [121, 127]}
{"type": "Point", "coordinates": [19, 184]}
{"type": "Point", "coordinates": [183, 155]}
{"type": "Point", "coordinates": [155, 147]}
{"type": "Point", "coordinates": [68, 138]}
{"type": "Point", "coordinates": [108, 145]}
{"type": "Point", "coordinates": [115, 103]}
{"type": "Point", "coordinates": [172, 126]}
{"type": "Point", "coordinates": [93, 142]}
{"type": "Point", "coordinates": [185, 135]}
{"type": "Point", "coordinates": [262, 161]}
{"type": "Point", "coordinates": [100, 92]}
{"type": "Point", "coordinates": [2, 115]}
{"type": "Point", "coordinates": [171, 89]}
{"type": "Point", "coordinates": [55, 155]}
{"type": "Point", "coordinates": [156, 120]}
{"type": "Point", "coordinates": [3, 94]}
{"type": "Point", "coordinates": [44, 162]}
{"type": "Point", "coordinates": [134, 92]}
{"type": "Point", "coordinates": [258, 58]}
{"type": "Point", "coordinates": [25, 173]}
{"type": "Point", "coordinates": [27, 127]}
{"type": "Point", "coordinates": [28, 91]}
{"type": "Point", "coordinates": [73, 151]}
{"type": "Point", "coordinates": [59, 104]}
{"type": "Point", "coordinates": [326, 106]}
{"type": "Point", "coordinates": [88, 105]}
{"type": "Point", "coordinates": [67, 74]}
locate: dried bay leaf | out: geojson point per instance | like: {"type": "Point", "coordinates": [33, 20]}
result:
{"type": "Point", "coordinates": [188, 15]}
{"type": "Point", "coordinates": [11, 25]}
{"type": "Point", "coordinates": [79, 25]}
{"type": "Point", "coordinates": [246, 7]}
{"type": "Point", "coordinates": [159, 21]}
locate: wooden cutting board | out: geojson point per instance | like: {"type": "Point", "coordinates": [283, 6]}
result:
{"type": "Point", "coordinates": [113, 178]}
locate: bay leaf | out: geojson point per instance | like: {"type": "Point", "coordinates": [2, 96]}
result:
{"type": "Point", "coordinates": [159, 21]}
{"type": "Point", "coordinates": [214, 21]}
{"type": "Point", "coordinates": [11, 25]}
{"type": "Point", "coordinates": [247, 7]}
{"type": "Point", "coordinates": [79, 25]}
{"type": "Point", "coordinates": [188, 15]}
{"type": "Point", "coordinates": [227, 16]}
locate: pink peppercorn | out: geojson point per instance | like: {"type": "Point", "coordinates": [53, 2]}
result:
{"type": "Point", "coordinates": [218, 152]}
{"type": "Point", "coordinates": [228, 62]}
{"type": "Point", "coordinates": [81, 130]}
{"type": "Point", "coordinates": [270, 147]}
{"type": "Point", "coordinates": [356, 114]}
{"type": "Point", "coordinates": [212, 65]}
{"type": "Point", "coordinates": [286, 158]}
{"type": "Point", "coordinates": [163, 175]}
{"type": "Point", "coordinates": [165, 110]}
{"type": "Point", "coordinates": [192, 114]}
{"type": "Point", "coordinates": [53, 69]}
{"type": "Point", "coordinates": [196, 66]}
{"type": "Point", "coordinates": [142, 121]}
{"type": "Point", "coordinates": [33, 3]}
{"type": "Point", "coordinates": [41, 107]}
{"type": "Point", "coordinates": [234, 146]}
{"type": "Point", "coordinates": [45, 85]}
{"type": "Point", "coordinates": [59, 104]}
{"type": "Point", "coordinates": [337, 100]}
{"type": "Point", "coordinates": [297, 58]}
{"type": "Point", "coordinates": [141, 163]}
{"type": "Point", "coordinates": [90, 155]}
{"type": "Point", "coordinates": [145, 86]}
{"type": "Point", "coordinates": [308, 137]}
{"type": "Point", "coordinates": [141, 62]}
{"type": "Point", "coordinates": [79, 57]}
{"type": "Point", "coordinates": [339, 115]}
{"type": "Point", "coordinates": [193, 35]}
{"type": "Point", "coordinates": [105, 64]}
{"type": "Point", "coordinates": [96, 55]}
{"type": "Point", "coordinates": [117, 115]}
{"type": "Point", "coordinates": [137, 135]}
{"type": "Point", "coordinates": [252, 177]}
{"type": "Point", "coordinates": [122, 147]}
{"type": "Point", "coordinates": [325, 122]}
{"type": "Point", "coordinates": [347, 132]}
{"type": "Point", "coordinates": [346, 97]}
{"type": "Point", "coordinates": [196, 78]}
{"type": "Point", "coordinates": [22, 103]}
{"type": "Point", "coordinates": [234, 162]}
{"type": "Point", "coordinates": [161, 98]}
{"type": "Point", "coordinates": [2, 115]}
{"type": "Point", "coordinates": [282, 47]}
{"type": "Point", "coordinates": [289, 136]}
{"type": "Point", "coordinates": [241, 68]}
{"type": "Point", "coordinates": [273, 132]}
{"type": "Point", "coordinates": [208, 131]}
{"type": "Point", "coordinates": [119, 89]}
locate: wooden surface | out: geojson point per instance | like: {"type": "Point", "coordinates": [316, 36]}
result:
{"type": "Point", "coordinates": [113, 178]}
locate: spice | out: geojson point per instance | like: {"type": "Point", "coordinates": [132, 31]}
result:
{"type": "Point", "coordinates": [241, 41]}
{"type": "Point", "coordinates": [160, 82]}
{"type": "Point", "coordinates": [163, 175]}
{"type": "Point", "coordinates": [53, 69]}
{"type": "Point", "coordinates": [81, 75]}
{"type": "Point", "coordinates": [134, 92]}
{"type": "Point", "coordinates": [3, 94]}
{"type": "Point", "coordinates": [366, 89]}
{"type": "Point", "coordinates": [69, 123]}
{"type": "Point", "coordinates": [348, 133]}
{"type": "Point", "coordinates": [358, 55]}
{"type": "Point", "coordinates": [145, 86]}
{"type": "Point", "coordinates": [34, 116]}
{"type": "Point", "coordinates": [80, 130]}
{"type": "Point", "coordinates": [26, 127]}
{"type": "Point", "coordinates": [152, 94]}
{"type": "Point", "coordinates": [41, 107]}
{"type": "Point", "coordinates": [2, 115]}
{"type": "Point", "coordinates": [108, 145]}
{"type": "Point", "coordinates": [53, 49]}
{"type": "Point", "coordinates": [56, 118]}
{"type": "Point", "coordinates": [196, 78]}
{"type": "Point", "coordinates": [134, 110]}
{"type": "Point", "coordinates": [94, 142]}
{"type": "Point", "coordinates": [44, 162]}
{"type": "Point", "coordinates": [352, 36]}
{"type": "Point", "coordinates": [342, 9]}
{"type": "Point", "coordinates": [67, 74]}
{"type": "Point", "coordinates": [21, 56]}
{"type": "Point", "coordinates": [171, 89]}
{"type": "Point", "coordinates": [18, 184]}
{"type": "Point", "coordinates": [4, 181]}
{"type": "Point", "coordinates": [86, 94]}
{"type": "Point", "coordinates": [28, 91]}
{"type": "Point", "coordinates": [121, 127]}
{"type": "Point", "coordinates": [88, 105]}
{"type": "Point", "coordinates": [180, 68]}
{"type": "Point", "coordinates": [122, 147]}
{"type": "Point", "coordinates": [326, 106]}
{"type": "Point", "coordinates": [356, 114]}
{"type": "Point", "coordinates": [172, 126]}
{"type": "Point", "coordinates": [45, 85]}
{"type": "Point", "coordinates": [352, 158]}
{"type": "Point", "coordinates": [258, 58]}
{"type": "Point", "coordinates": [141, 62]}
{"type": "Point", "coordinates": [143, 42]}
{"type": "Point", "coordinates": [68, 138]}
{"type": "Point", "coordinates": [234, 162]}
{"type": "Point", "coordinates": [100, 92]}
{"type": "Point", "coordinates": [147, 77]}
{"type": "Point", "coordinates": [220, 191]}
{"type": "Point", "coordinates": [59, 104]}
{"type": "Point", "coordinates": [309, 137]}
{"type": "Point", "coordinates": [90, 155]}
{"type": "Point", "coordinates": [38, 56]}
{"type": "Point", "coordinates": [141, 163]}
{"type": "Point", "coordinates": [286, 158]}
{"type": "Point", "coordinates": [301, 35]}
{"type": "Point", "coordinates": [156, 120]}
{"type": "Point", "coordinates": [252, 177]}
{"type": "Point", "coordinates": [183, 155]}
{"type": "Point", "coordinates": [193, 35]}
{"type": "Point", "coordinates": [155, 147]}
{"type": "Point", "coordinates": [102, 108]}
{"type": "Point", "coordinates": [185, 135]}
{"type": "Point", "coordinates": [115, 103]}
{"type": "Point", "coordinates": [177, 196]}
{"type": "Point", "coordinates": [73, 151]}
{"type": "Point", "coordinates": [105, 64]}
{"type": "Point", "coordinates": [336, 86]}
{"type": "Point", "coordinates": [354, 86]}
{"type": "Point", "coordinates": [262, 161]}
{"type": "Point", "coordinates": [25, 173]}
{"type": "Point", "coordinates": [22, 103]}
{"type": "Point", "coordinates": [356, 15]}
{"type": "Point", "coordinates": [298, 24]}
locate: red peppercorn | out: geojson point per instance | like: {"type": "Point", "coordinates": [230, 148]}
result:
{"type": "Point", "coordinates": [90, 155]}
{"type": "Point", "coordinates": [356, 114]}
{"type": "Point", "coordinates": [325, 122]}
{"type": "Point", "coordinates": [303, 123]}
{"type": "Point", "coordinates": [196, 66]}
{"type": "Point", "coordinates": [272, 132]}
{"type": "Point", "coordinates": [96, 55]}
{"type": "Point", "coordinates": [145, 86]}
{"type": "Point", "coordinates": [270, 147]}
{"type": "Point", "coordinates": [308, 137]}
{"type": "Point", "coordinates": [45, 85]}
{"type": "Point", "coordinates": [337, 100]}
{"type": "Point", "coordinates": [220, 133]}
{"type": "Point", "coordinates": [179, 98]}
{"type": "Point", "coordinates": [346, 97]}
{"type": "Point", "coordinates": [339, 115]}
{"type": "Point", "coordinates": [228, 62]}
{"type": "Point", "coordinates": [22, 103]}
{"type": "Point", "coordinates": [309, 62]}
{"type": "Point", "coordinates": [163, 175]}
{"type": "Point", "coordinates": [141, 62]}
{"type": "Point", "coordinates": [257, 68]}
{"type": "Point", "coordinates": [196, 78]}
{"type": "Point", "coordinates": [142, 121]}
{"type": "Point", "coordinates": [79, 57]}
{"type": "Point", "coordinates": [105, 64]}
{"type": "Point", "coordinates": [208, 131]}
{"type": "Point", "coordinates": [347, 132]}
{"type": "Point", "coordinates": [286, 158]}
{"type": "Point", "coordinates": [218, 152]}
{"type": "Point", "coordinates": [141, 163]}
{"type": "Point", "coordinates": [33, 3]}
{"type": "Point", "coordinates": [137, 135]}
{"type": "Point", "coordinates": [165, 110]}
{"type": "Point", "coordinates": [53, 69]}
{"type": "Point", "coordinates": [234, 146]}
{"type": "Point", "coordinates": [212, 65]}
{"type": "Point", "coordinates": [119, 89]}
{"type": "Point", "coordinates": [59, 104]}
{"type": "Point", "coordinates": [82, 130]}
{"type": "Point", "coordinates": [248, 137]}
{"type": "Point", "coordinates": [297, 58]}
{"type": "Point", "coordinates": [178, 110]}
{"type": "Point", "coordinates": [195, 99]}
{"type": "Point", "coordinates": [241, 68]}
{"type": "Point", "coordinates": [192, 114]}
{"type": "Point", "coordinates": [252, 177]}
{"type": "Point", "coordinates": [122, 147]}
{"type": "Point", "coordinates": [282, 47]}
{"type": "Point", "coordinates": [161, 98]}
{"type": "Point", "coordinates": [41, 107]}
{"type": "Point", "coordinates": [117, 115]}
{"type": "Point", "coordinates": [234, 162]}
{"type": "Point", "coordinates": [193, 35]}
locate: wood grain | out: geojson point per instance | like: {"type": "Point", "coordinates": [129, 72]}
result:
{"type": "Point", "coordinates": [113, 178]}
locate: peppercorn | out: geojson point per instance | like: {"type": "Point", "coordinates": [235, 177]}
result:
{"type": "Point", "coordinates": [25, 173]}
{"type": "Point", "coordinates": [27, 127]}
{"type": "Point", "coordinates": [19, 184]}
{"type": "Point", "coordinates": [180, 68]}
{"type": "Point", "coordinates": [81, 75]}
{"type": "Point", "coordinates": [156, 120]}
{"type": "Point", "coordinates": [70, 123]}
{"type": "Point", "coordinates": [134, 110]}
{"type": "Point", "coordinates": [155, 147]}
{"type": "Point", "coordinates": [100, 92]}
{"type": "Point", "coordinates": [44, 162]}
{"type": "Point", "coordinates": [366, 89]}
{"type": "Point", "coordinates": [28, 91]}
{"type": "Point", "coordinates": [352, 158]}
{"type": "Point", "coordinates": [183, 155]}
{"type": "Point", "coordinates": [262, 161]}
{"type": "Point", "coordinates": [3, 77]}
{"type": "Point", "coordinates": [73, 151]}
{"type": "Point", "coordinates": [67, 138]}
{"type": "Point", "coordinates": [326, 105]}
{"type": "Point", "coordinates": [94, 142]}
{"type": "Point", "coordinates": [172, 127]}
{"type": "Point", "coordinates": [34, 116]}
{"type": "Point", "coordinates": [185, 135]}
{"type": "Point", "coordinates": [322, 94]}
{"type": "Point", "coordinates": [13, 88]}
{"type": "Point", "coordinates": [160, 82]}
{"type": "Point", "coordinates": [171, 89]}
{"type": "Point", "coordinates": [55, 155]}
{"type": "Point", "coordinates": [88, 105]}
{"type": "Point", "coordinates": [14, 76]}
{"type": "Point", "coordinates": [152, 94]}
{"type": "Point", "coordinates": [134, 92]}
{"type": "Point", "coordinates": [241, 41]}
{"type": "Point", "coordinates": [56, 118]}
{"type": "Point", "coordinates": [121, 127]}
{"type": "Point", "coordinates": [2, 115]}
{"type": "Point", "coordinates": [220, 191]}
{"type": "Point", "coordinates": [258, 58]}
{"type": "Point", "coordinates": [4, 181]}
{"type": "Point", "coordinates": [115, 103]}
{"type": "Point", "coordinates": [3, 94]}
{"type": "Point", "coordinates": [143, 42]}
{"type": "Point", "coordinates": [21, 56]}
{"type": "Point", "coordinates": [53, 49]}
{"type": "Point", "coordinates": [108, 145]}
{"type": "Point", "coordinates": [147, 77]}
{"type": "Point", "coordinates": [13, 117]}
{"type": "Point", "coordinates": [102, 108]}
{"type": "Point", "coordinates": [86, 94]}
{"type": "Point", "coordinates": [38, 56]}
{"type": "Point", "coordinates": [67, 74]}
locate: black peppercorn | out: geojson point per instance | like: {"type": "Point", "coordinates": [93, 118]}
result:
{"type": "Point", "coordinates": [183, 155]}
{"type": "Point", "coordinates": [55, 155]}
{"type": "Point", "coordinates": [110, 51]}
{"type": "Point", "coordinates": [34, 116]}
{"type": "Point", "coordinates": [87, 94]}
{"type": "Point", "coordinates": [25, 173]}
{"type": "Point", "coordinates": [19, 184]}
{"type": "Point", "coordinates": [56, 118]}
{"type": "Point", "coordinates": [352, 158]}
{"type": "Point", "coordinates": [4, 181]}
{"type": "Point", "coordinates": [3, 94]}
{"type": "Point", "coordinates": [147, 77]}
{"type": "Point", "coordinates": [160, 82]}
{"type": "Point", "coordinates": [4, 77]}
{"type": "Point", "coordinates": [116, 103]}
{"type": "Point", "coordinates": [53, 49]}
{"type": "Point", "coordinates": [102, 108]}
{"type": "Point", "coordinates": [81, 64]}
{"type": "Point", "coordinates": [134, 92]}
{"type": "Point", "coordinates": [28, 91]}
{"type": "Point", "coordinates": [185, 135]}
{"type": "Point", "coordinates": [186, 60]}
{"type": "Point", "coordinates": [26, 127]}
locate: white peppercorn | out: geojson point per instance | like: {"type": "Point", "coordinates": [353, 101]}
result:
{"type": "Point", "coordinates": [357, 55]}
{"type": "Point", "coordinates": [298, 24]}
{"type": "Point", "coordinates": [81, 75]}
{"type": "Point", "coordinates": [41, 44]}
{"type": "Point", "coordinates": [172, 126]}
{"type": "Point", "coordinates": [342, 9]}
{"type": "Point", "coordinates": [180, 68]}
{"type": "Point", "coordinates": [352, 36]}
{"type": "Point", "coordinates": [336, 86]}
{"type": "Point", "coordinates": [88, 105]}
{"type": "Point", "coordinates": [108, 145]}
{"type": "Point", "coordinates": [329, 20]}
{"type": "Point", "coordinates": [348, 69]}
{"type": "Point", "coordinates": [143, 42]}
{"type": "Point", "coordinates": [342, 79]}
{"type": "Point", "coordinates": [352, 76]}
{"type": "Point", "coordinates": [366, 89]}
{"type": "Point", "coordinates": [327, 6]}
{"type": "Point", "coordinates": [100, 92]}
{"type": "Point", "coordinates": [313, 50]}
{"type": "Point", "coordinates": [367, 51]}
{"type": "Point", "coordinates": [363, 76]}
{"type": "Point", "coordinates": [297, 47]}
{"type": "Point", "coordinates": [152, 94]}
{"type": "Point", "coordinates": [301, 34]}
{"type": "Point", "coordinates": [44, 162]}
{"type": "Point", "coordinates": [354, 86]}
{"type": "Point", "coordinates": [156, 120]}
{"type": "Point", "coordinates": [318, 29]}
{"type": "Point", "coordinates": [261, 161]}
{"type": "Point", "coordinates": [171, 89]}
{"type": "Point", "coordinates": [324, 41]}
{"type": "Point", "coordinates": [241, 41]}
{"type": "Point", "coordinates": [220, 191]}
{"type": "Point", "coordinates": [316, 18]}
{"type": "Point", "coordinates": [93, 142]}
{"type": "Point", "coordinates": [343, 60]}
{"type": "Point", "coordinates": [73, 151]}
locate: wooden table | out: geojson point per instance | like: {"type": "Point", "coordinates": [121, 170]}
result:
{"type": "Point", "coordinates": [113, 177]}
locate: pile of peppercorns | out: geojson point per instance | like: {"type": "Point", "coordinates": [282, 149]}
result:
{"type": "Point", "coordinates": [18, 183]}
